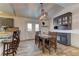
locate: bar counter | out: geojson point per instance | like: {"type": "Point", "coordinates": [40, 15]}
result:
{"type": "Point", "coordinates": [4, 36]}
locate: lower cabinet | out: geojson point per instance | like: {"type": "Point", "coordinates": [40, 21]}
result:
{"type": "Point", "coordinates": [64, 38]}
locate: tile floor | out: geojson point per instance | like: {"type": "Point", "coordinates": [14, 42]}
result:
{"type": "Point", "coordinates": [28, 48]}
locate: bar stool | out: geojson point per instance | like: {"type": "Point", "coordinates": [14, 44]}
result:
{"type": "Point", "coordinates": [6, 49]}
{"type": "Point", "coordinates": [10, 47]}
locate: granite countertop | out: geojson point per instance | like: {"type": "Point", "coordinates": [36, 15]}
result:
{"type": "Point", "coordinates": [5, 35]}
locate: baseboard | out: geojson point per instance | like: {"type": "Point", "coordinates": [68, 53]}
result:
{"type": "Point", "coordinates": [74, 47]}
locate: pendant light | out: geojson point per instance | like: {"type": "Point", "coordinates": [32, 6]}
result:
{"type": "Point", "coordinates": [44, 14]}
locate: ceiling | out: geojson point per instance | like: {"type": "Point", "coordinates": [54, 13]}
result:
{"type": "Point", "coordinates": [32, 10]}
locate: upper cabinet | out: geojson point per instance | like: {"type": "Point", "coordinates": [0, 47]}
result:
{"type": "Point", "coordinates": [63, 20]}
{"type": "Point", "coordinates": [8, 22]}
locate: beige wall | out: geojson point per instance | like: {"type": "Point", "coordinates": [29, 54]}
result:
{"type": "Point", "coordinates": [19, 22]}
{"type": "Point", "coordinates": [22, 24]}
{"type": "Point", "coordinates": [75, 22]}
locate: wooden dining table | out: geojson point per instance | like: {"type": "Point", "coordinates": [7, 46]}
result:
{"type": "Point", "coordinates": [44, 37]}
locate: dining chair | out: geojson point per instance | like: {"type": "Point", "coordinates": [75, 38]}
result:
{"type": "Point", "coordinates": [38, 39]}
{"type": "Point", "coordinates": [52, 41]}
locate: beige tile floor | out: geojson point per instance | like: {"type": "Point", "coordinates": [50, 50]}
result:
{"type": "Point", "coordinates": [28, 48]}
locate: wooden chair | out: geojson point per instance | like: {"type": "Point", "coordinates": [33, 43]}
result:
{"type": "Point", "coordinates": [10, 47]}
{"type": "Point", "coordinates": [16, 38]}
{"type": "Point", "coordinates": [7, 50]}
{"type": "Point", "coordinates": [38, 40]}
{"type": "Point", "coordinates": [52, 41]}
{"type": "Point", "coordinates": [36, 37]}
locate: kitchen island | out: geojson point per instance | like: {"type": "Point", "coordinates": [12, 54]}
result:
{"type": "Point", "coordinates": [4, 36]}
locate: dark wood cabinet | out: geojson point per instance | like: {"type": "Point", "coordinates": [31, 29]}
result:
{"type": "Point", "coordinates": [63, 22]}
{"type": "Point", "coordinates": [65, 19]}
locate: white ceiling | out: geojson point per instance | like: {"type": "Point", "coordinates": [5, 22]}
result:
{"type": "Point", "coordinates": [32, 9]}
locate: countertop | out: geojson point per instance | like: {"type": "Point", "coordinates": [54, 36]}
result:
{"type": "Point", "coordinates": [67, 31]}
{"type": "Point", "coordinates": [5, 35]}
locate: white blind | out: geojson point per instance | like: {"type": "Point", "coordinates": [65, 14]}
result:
{"type": "Point", "coordinates": [29, 26]}
{"type": "Point", "coordinates": [36, 27]}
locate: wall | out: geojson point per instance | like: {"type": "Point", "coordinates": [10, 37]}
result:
{"type": "Point", "coordinates": [31, 34]}
{"type": "Point", "coordinates": [22, 24]}
{"type": "Point", "coordinates": [75, 22]}
{"type": "Point", "coordinates": [19, 22]}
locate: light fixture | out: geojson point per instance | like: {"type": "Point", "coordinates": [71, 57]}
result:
{"type": "Point", "coordinates": [44, 14]}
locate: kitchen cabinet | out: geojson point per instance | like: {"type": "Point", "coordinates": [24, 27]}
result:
{"type": "Point", "coordinates": [63, 22]}
{"type": "Point", "coordinates": [8, 22]}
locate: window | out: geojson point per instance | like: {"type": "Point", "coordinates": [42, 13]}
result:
{"type": "Point", "coordinates": [29, 27]}
{"type": "Point", "coordinates": [36, 27]}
